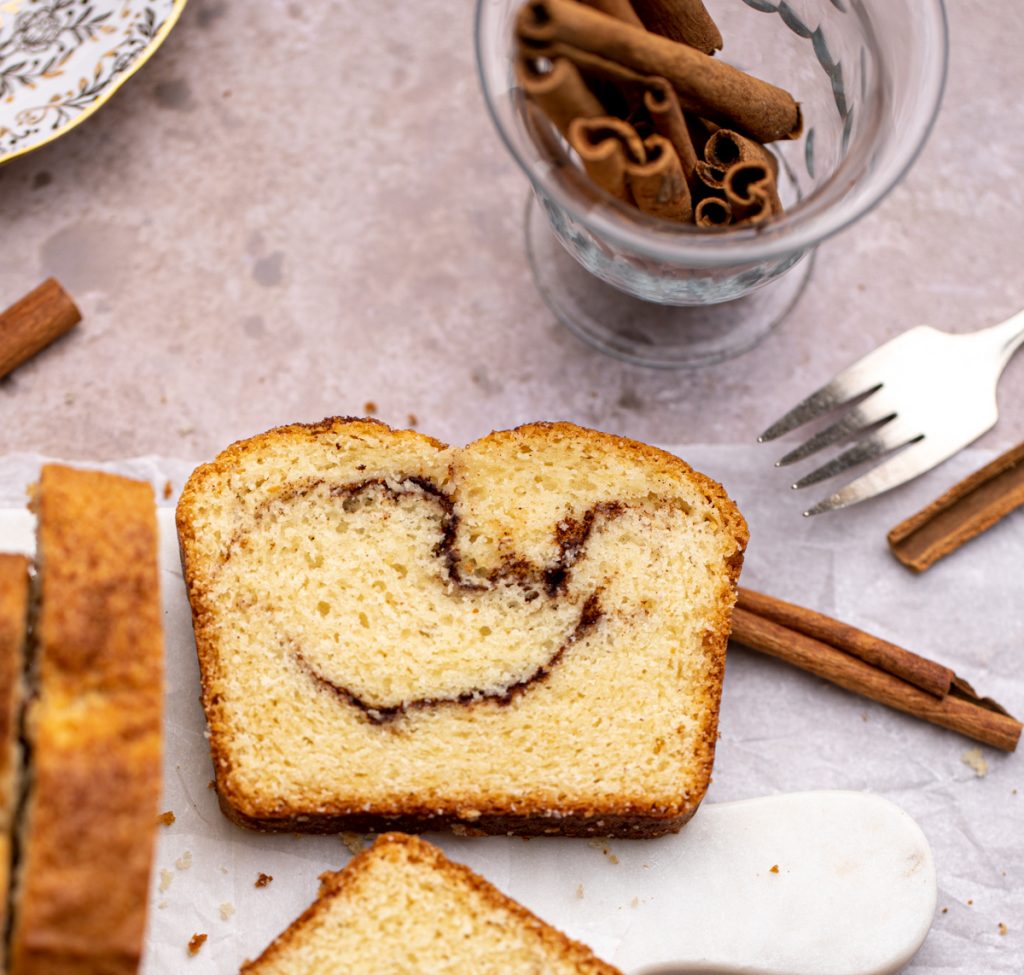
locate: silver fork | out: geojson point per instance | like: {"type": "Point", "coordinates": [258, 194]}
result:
{"type": "Point", "coordinates": [909, 405]}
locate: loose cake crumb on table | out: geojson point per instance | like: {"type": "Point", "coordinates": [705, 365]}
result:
{"type": "Point", "coordinates": [166, 818]}
{"type": "Point", "coordinates": [263, 879]}
{"type": "Point", "coordinates": [974, 758]}
{"type": "Point", "coordinates": [604, 846]}
{"type": "Point", "coordinates": [411, 419]}
{"type": "Point", "coordinates": [168, 490]}
{"type": "Point", "coordinates": [774, 869]}
{"type": "Point", "coordinates": [166, 878]}
{"type": "Point", "coordinates": [369, 407]}
{"type": "Point", "coordinates": [579, 891]}
{"type": "Point", "coordinates": [1002, 930]}
{"type": "Point", "coordinates": [184, 861]}
{"type": "Point", "coordinates": [195, 943]}
{"type": "Point", "coordinates": [226, 910]}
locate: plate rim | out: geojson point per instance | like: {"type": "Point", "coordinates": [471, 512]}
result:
{"type": "Point", "coordinates": [161, 35]}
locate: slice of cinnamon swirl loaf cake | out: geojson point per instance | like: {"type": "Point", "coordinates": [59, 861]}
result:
{"type": "Point", "coordinates": [523, 635]}
{"type": "Point", "coordinates": [402, 906]}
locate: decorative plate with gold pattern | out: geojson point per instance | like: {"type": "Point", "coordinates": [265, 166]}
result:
{"type": "Point", "coordinates": [60, 60]}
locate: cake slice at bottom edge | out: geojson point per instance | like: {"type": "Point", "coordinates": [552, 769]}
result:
{"type": "Point", "coordinates": [402, 906]}
{"type": "Point", "coordinates": [14, 603]}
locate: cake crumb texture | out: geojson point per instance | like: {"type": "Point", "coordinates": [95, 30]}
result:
{"type": "Point", "coordinates": [523, 635]}
{"type": "Point", "coordinates": [401, 906]}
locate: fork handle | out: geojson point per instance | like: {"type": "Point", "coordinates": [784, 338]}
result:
{"type": "Point", "coordinates": [1008, 337]}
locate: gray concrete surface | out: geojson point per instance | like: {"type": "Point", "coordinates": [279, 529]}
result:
{"type": "Point", "coordinates": [295, 210]}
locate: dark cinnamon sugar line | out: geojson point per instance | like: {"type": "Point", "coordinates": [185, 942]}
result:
{"type": "Point", "coordinates": [962, 513]}
{"type": "Point", "coordinates": [868, 666]}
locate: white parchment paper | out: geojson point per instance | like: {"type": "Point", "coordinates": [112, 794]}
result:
{"type": "Point", "coordinates": [781, 731]}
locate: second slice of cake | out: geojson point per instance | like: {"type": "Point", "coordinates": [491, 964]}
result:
{"type": "Point", "coordinates": [524, 635]}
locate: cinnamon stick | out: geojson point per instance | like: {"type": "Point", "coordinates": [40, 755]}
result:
{"type": "Point", "coordinates": [561, 92]}
{"type": "Point", "coordinates": [620, 9]}
{"type": "Point", "coordinates": [725, 148]}
{"type": "Point", "coordinates": [686, 21]}
{"type": "Point", "coordinates": [750, 189]}
{"type": "Point", "coordinates": [960, 710]}
{"type": "Point", "coordinates": [667, 118]}
{"type": "Point", "coordinates": [659, 184]}
{"type": "Point", "coordinates": [35, 321]}
{"type": "Point", "coordinates": [919, 671]}
{"type": "Point", "coordinates": [606, 146]}
{"type": "Point", "coordinates": [712, 212]}
{"type": "Point", "coordinates": [710, 176]}
{"type": "Point", "coordinates": [962, 513]}
{"type": "Point", "coordinates": [706, 86]}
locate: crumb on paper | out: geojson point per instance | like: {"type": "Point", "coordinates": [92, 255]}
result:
{"type": "Point", "coordinates": [369, 407]}
{"type": "Point", "coordinates": [184, 861]}
{"type": "Point", "coordinates": [166, 879]}
{"type": "Point", "coordinates": [168, 490]}
{"type": "Point", "coordinates": [635, 902]}
{"type": "Point", "coordinates": [970, 903]}
{"type": "Point", "coordinates": [166, 818]}
{"type": "Point", "coordinates": [226, 910]}
{"type": "Point", "coordinates": [162, 905]}
{"type": "Point", "coordinates": [945, 910]}
{"type": "Point", "coordinates": [195, 943]}
{"type": "Point", "coordinates": [603, 845]}
{"type": "Point", "coordinates": [263, 879]}
{"type": "Point", "coordinates": [579, 891]}
{"type": "Point", "coordinates": [184, 432]}
{"type": "Point", "coordinates": [976, 760]}
{"type": "Point", "coordinates": [412, 420]}
{"type": "Point", "coordinates": [1002, 930]}
{"type": "Point", "coordinates": [354, 841]}
{"type": "Point", "coordinates": [774, 869]}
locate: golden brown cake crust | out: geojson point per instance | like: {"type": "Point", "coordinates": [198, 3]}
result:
{"type": "Point", "coordinates": [415, 850]}
{"type": "Point", "coordinates": [94, 729]}
{"type": "Point", "coordinates": [622, 816]}
{"type": "Point", "coordinates": [14, 602]}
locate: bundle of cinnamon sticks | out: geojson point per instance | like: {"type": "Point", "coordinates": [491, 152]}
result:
{"type": "Point", "coordinates": [655, 119]}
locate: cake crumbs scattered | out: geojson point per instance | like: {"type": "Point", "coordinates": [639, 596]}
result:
{"type": "Point", "coordinates": [369, 407]}
{"type": "Point", "coordinates": [976, 760]}
{"type": "Point", "coordinates": [166, 879]}
{"type": "Point", "coordinates": [162, 905]}
{"type": "Point", "coordinates": [1002, 930]}
{"type": "Point", "coordinates": [970, 903]}
{"type": "Point", "coordinates": [263, 879]}
{"type": "Point", "coordinates": [579, 891]}
{"type": "Point", "coordinates": [774, 869]}
{"type": "Point", "coordinates": [195, 943]}
{"type": "Point", "coordinates": [226, 910]}
{"type": "Point", "coordinates": [184, 432]}
{"type": "Point", "coordinates": [166, 818]}
{"type": "Point", "coordinates": [601, 844]}
{"type": "Point", "coordinates": [168, 490]}
{"type": "Point", "coordinates": [411, 419]}
{"type": "Point", "coordinates": [184, 861]}
{"type": "Point", "coordinates": [635, 902]}
{"type": "Point", "coordinates": [354, 841]}
{"type": "Point", "coordinates": [945, 910]}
